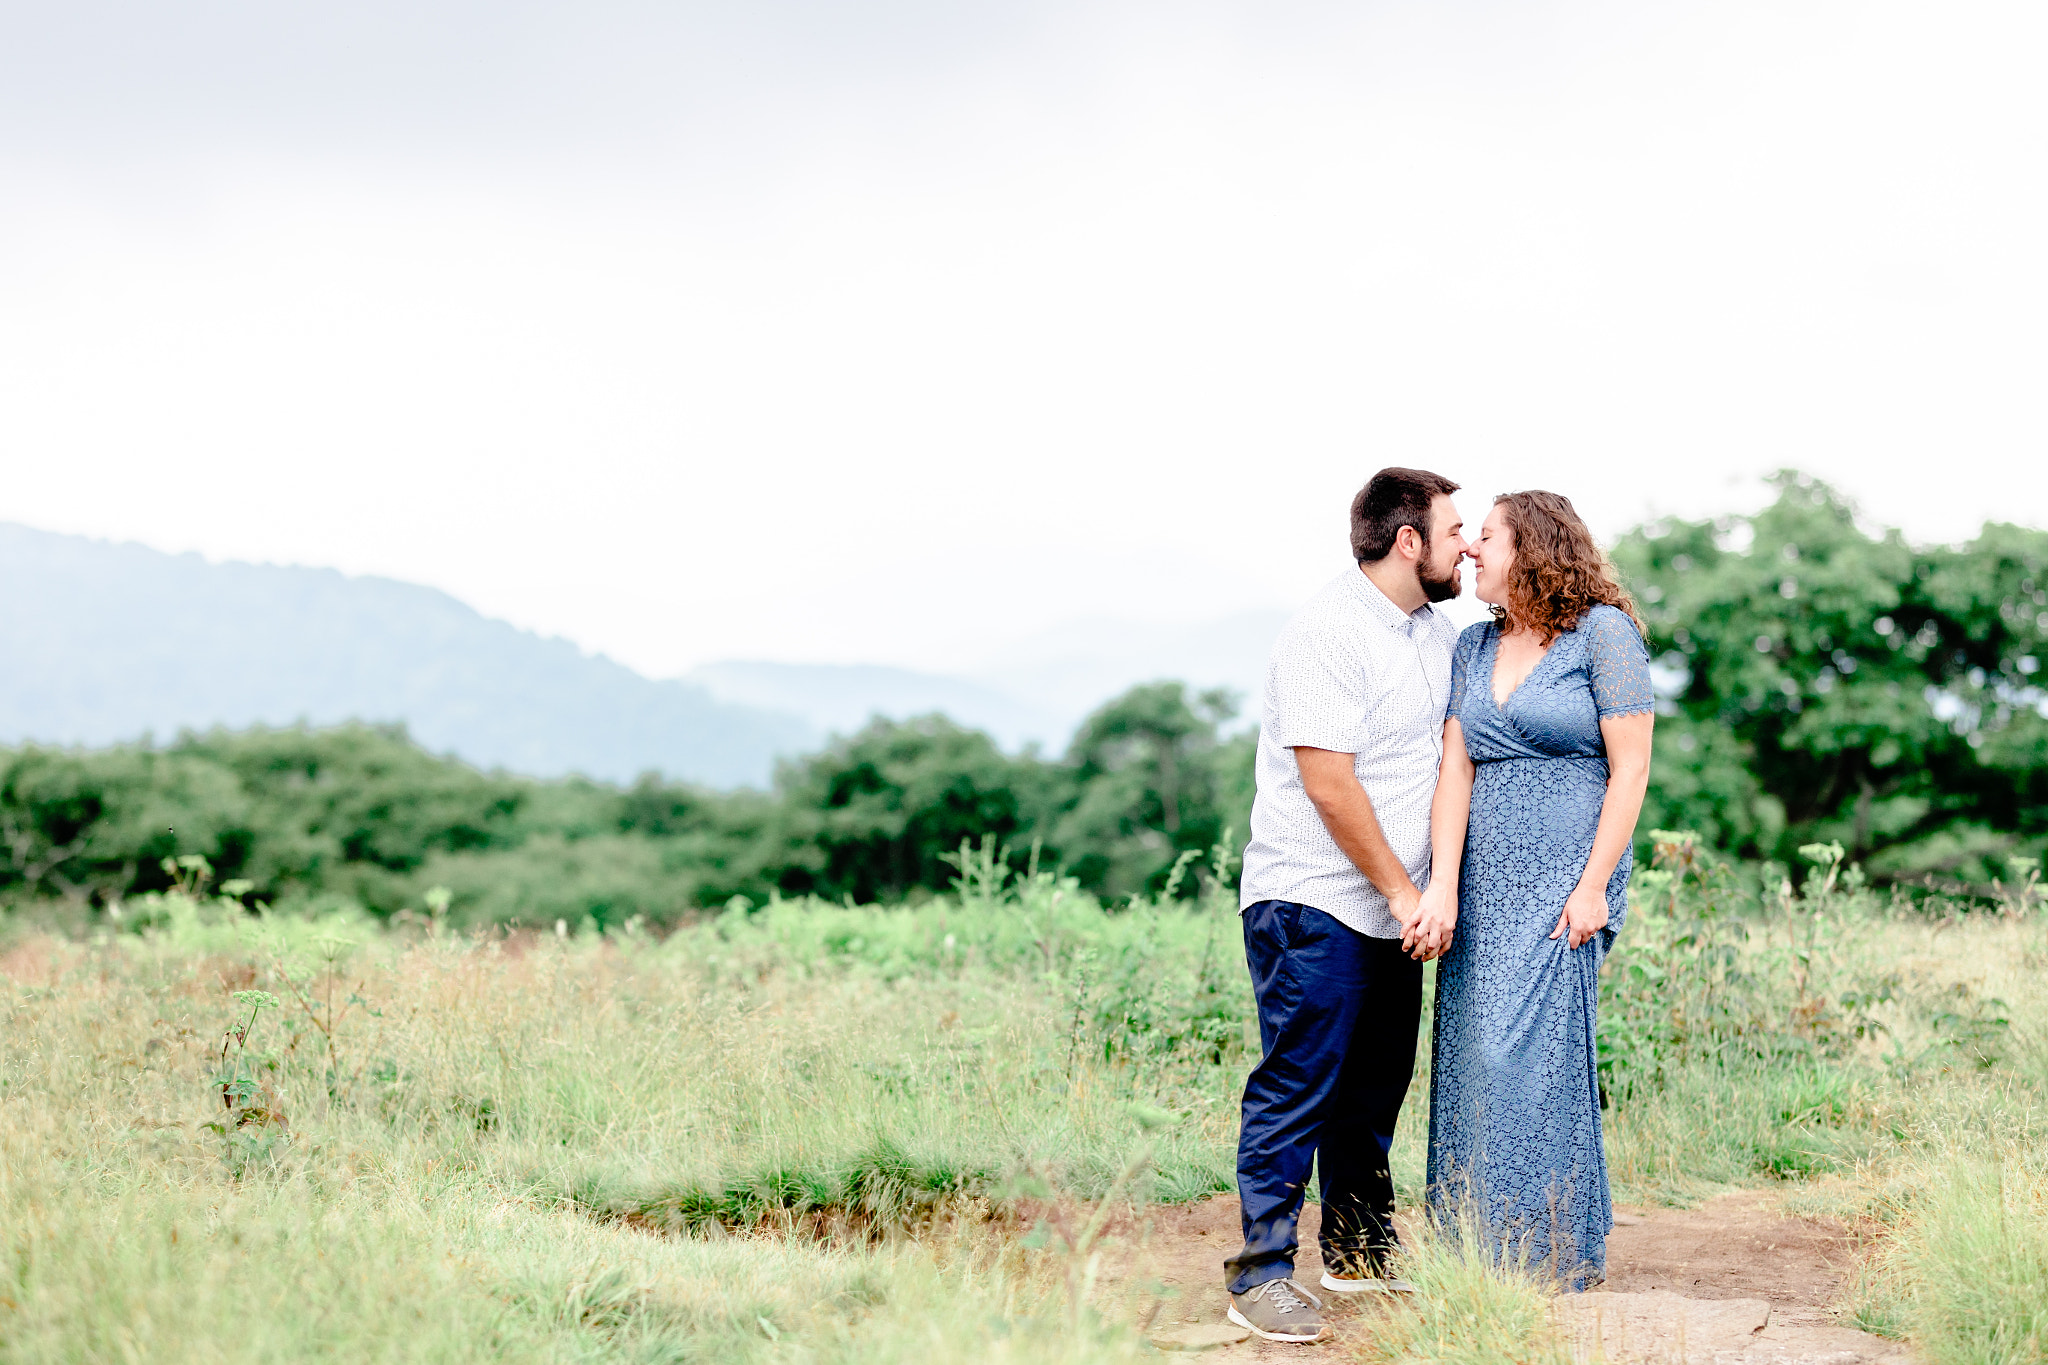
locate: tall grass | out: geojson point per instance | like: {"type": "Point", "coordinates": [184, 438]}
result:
{"type": "Point", "coordinates": [1890, 1058]}
{"type": "Point", "coordinates": [236, 1139]}
{"type": "Point", "coordinates": [806, 1131]}
{"type": "Point", "coordinates": [1471, 1306]}
{"type": "Point", "coordinates": [1976, 1257]}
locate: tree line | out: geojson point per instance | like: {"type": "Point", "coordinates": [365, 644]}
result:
{"type": "Point", "coordinates": [359, 814]}
{"type": "Point", "coordinates": [1819, 682]}
{"type": "Point", "coordinates": [1831, 683]}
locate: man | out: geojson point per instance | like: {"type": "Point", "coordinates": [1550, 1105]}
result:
{"type": "Point", "coordinates": [1351, 738]}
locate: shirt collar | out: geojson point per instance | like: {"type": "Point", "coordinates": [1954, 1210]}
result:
{"type": "Point", "coordinates": [1382, 606]}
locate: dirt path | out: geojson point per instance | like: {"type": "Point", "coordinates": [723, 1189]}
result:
{"type": "Point", "coordinates": [1733, 1282]}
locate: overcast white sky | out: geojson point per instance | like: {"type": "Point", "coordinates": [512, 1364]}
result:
{"type": "Point", "coordinates": [881, 332]}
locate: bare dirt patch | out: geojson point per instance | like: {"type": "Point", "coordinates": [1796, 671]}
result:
{"type": "Point", "coordinates": [1673, 1278]}
{"type": "Point", "coordinates": [1739, 1246]}
{"type": "Point", "coordinates": [1735, 1246]}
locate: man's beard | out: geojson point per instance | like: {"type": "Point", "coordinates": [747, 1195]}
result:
{"type": "Point", "coordinates": [1441, 589]}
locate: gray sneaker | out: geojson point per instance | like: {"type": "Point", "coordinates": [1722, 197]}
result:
{"type": "Point", "coordinates": [1278, 1310]}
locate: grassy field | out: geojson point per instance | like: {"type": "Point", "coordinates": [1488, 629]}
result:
{"type": "Point", "coordinates": [811, 1132]}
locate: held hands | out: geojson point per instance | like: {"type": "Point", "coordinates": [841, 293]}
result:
{"type": "Point", "coordinates": [1405, 906]}
{"type": "Point", "coordinates": [1429, 935]}
{"type": "Point", "coordinates": [1585, 914]}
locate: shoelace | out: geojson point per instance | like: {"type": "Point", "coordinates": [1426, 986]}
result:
{"type": "Point", "coordinates": [1280, 1293]}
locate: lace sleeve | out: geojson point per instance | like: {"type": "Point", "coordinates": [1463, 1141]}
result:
{"type": "Point", "coordinates": [1619, 663]}
{"type": "Point", "coordinates": [1461, 667]}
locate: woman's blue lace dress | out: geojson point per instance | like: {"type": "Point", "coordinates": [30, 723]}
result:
{"type": "Point", "coordinates": [1514, 1109]}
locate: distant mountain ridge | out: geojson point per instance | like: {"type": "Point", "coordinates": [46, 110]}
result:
{"type": "Point", "coordinates": [106, 642]}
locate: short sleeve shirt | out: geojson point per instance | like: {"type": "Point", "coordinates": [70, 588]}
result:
{"type": "Point", "coordinates": [1353, 673]}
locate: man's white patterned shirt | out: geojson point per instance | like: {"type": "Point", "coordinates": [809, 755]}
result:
{"type": "Point", "coordinates": [1353, 673]}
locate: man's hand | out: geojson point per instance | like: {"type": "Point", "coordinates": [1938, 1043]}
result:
{"type": "Point", "coordinates": [1585, 914]}
{"type": "Point", "coordinates": [1405, 904]}
{"type": "Point", "coordinates": [1430, 935]}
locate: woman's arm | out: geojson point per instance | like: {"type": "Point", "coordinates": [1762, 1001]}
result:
{"type": "Point", "coordinates": [1450, 810]}
{"type": "Point", "coordinates": [1628, 779]}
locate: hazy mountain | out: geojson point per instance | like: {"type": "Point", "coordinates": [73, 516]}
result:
{"type": "Point", "coordinates": [107, 642]}
{"type": "Point", "coordinates": [104, 642]}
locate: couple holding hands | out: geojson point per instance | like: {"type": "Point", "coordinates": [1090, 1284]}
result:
{"type": "Point", "coordinates": [1429, 794]}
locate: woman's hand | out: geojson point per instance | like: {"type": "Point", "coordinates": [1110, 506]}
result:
{"type": "Point", "coordinates": [1430, 935]}
{"type": "Point", "coordinates": [1585, 914]}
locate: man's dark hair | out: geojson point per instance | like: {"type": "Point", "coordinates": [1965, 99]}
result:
{"type": "Point", "coordinates": [1391, 499]}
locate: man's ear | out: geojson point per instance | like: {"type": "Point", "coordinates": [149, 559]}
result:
{"type": "Point", "coordinates": [1408, 540]}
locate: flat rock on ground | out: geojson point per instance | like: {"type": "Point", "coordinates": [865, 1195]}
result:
{"type": "Point", "coordinates": [1733, 1282]}
{"type": "Point", "coordinates": [1662, 1328]}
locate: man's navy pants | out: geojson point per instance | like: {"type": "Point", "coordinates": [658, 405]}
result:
{"type": "Point", "coordinates": [1338, 1016]}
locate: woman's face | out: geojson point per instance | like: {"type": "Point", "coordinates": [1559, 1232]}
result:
{"type": "Point", "coordinates": [1493, 555]}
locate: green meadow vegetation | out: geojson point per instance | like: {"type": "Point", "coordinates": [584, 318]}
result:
{"type": "Point", "coordinates": [318, 1046]}
{"type": "Point", "coordinates": [809, 1131]}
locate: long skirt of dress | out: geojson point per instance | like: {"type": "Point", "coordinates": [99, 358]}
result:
{"type": "Point", "coordinates": [1514, 1113]}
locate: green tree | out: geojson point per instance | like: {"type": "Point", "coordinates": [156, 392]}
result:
{"type": "Point", "coordinates": [96, 824]}
{"type": "Point", "coordinates": [1153, 778]}
{"type": "Point", "coordinates": [353, 809]}
{"type": "Point", "coordinates": [1831, 683]}
{"type": "Point", "coordinates": [873, 815]}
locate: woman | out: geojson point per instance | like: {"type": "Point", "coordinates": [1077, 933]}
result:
{"type": "Point", "coordinates": [1546, 759]}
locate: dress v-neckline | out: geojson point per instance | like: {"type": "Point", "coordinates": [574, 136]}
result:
{"type": "Point", "coordinates": [1500, 703]}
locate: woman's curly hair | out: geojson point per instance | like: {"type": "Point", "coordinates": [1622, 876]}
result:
{"type": "Point", "coordinates": [1558, 573]}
